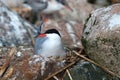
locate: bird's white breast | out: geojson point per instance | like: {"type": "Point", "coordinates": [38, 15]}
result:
{"type": "Point", "coordinates": [52, 46]}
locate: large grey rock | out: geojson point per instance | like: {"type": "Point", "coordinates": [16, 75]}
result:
{"type": "Point", "coordinates": [87, 71]}
{"type": "Point", "coordinates": [101, 37]}
{"type": "Point", "coordinates": [13, 29]}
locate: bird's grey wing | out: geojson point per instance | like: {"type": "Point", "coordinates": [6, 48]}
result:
{"type": "Point", "coordinates": [38, 44]}
{"type": "Point", "coordinates": [37, 5]}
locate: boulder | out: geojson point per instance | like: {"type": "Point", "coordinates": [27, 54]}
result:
{"type": "Point", "coordinates": [101, 38]}
{"type": "Point", "coordinates": [13, 29]}
{"type": "Point", "coordinates": [24, 65]}
{"type": "Point", "coordinates": [87, 71]}
{"type": "Point", "coordinates": [35, 68]}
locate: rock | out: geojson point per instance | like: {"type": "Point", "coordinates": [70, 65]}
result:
{"type": "Point", "coordinates": [28, 66]}
{"type": "Point", "coordinates": [101, 38]}
{"type": "Point", "coordinates": [35, 67]}
{"type": "Point", "coordinates": [87, 71]}
{"type": "Point", "coordinates": [13, 29]}
{"type": "Point", "coordinates": [20, 7]}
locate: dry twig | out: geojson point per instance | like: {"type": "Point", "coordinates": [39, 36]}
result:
{"type": "Point", "coordinates": [55, 78]}
{"type": "Point", "coordinates": [89, 60]}
{"type": "Point", "coordinates": [31, 36]}
{"type": "Point", "coordinates": [69, 74]}
{"type": "Point", "coordinates": [8, 74]}
{"type": "Point", "coordinates": [60, 70]}
{"type": "Point", "coordinates": [7, 62]}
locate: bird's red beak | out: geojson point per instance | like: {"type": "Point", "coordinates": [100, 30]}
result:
{"type": "Point", "coordinates": [41, 35]}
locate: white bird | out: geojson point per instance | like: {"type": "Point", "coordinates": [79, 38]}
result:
{"type": "Point", "coordinates": [49, 44]}
{"type": "Point", "coordinates": [47, 6]}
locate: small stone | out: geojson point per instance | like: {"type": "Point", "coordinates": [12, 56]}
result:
{"type": "Point", "coordinates": [19, 54]}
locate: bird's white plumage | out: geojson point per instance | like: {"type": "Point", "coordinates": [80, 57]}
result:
{"type": "Point", "coordinates": [52, 46]}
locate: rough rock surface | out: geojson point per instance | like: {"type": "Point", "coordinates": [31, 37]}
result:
{"type": "Point", "coordinates": [35, 68]}
{"type": "Point", "coordinates": [13, 29]}
{"type": "Point", "coordinates": [101, 37]}
{"type": "Point", "coordinates": [24, 65]}
{"type": "Point", "coordinates": [87, 71]}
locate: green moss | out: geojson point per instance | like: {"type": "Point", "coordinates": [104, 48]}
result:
{"type": "Point", "coordinates": [84, 42]}
{"type": "Point", "coordinates": [110, 41]}
{"type": "Point", "coordinates": [103, 40]}
{"type": "Point", "coordinates": [112, 62]}
{"type": "Point", "coordinates": [86, 33]}
{"type": "Point", "coordinates": [86, 21]}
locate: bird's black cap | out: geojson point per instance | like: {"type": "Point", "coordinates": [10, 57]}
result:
{"type": "Point", "coordinates": [52, 31]}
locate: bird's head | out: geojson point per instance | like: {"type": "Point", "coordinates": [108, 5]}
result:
{"type": "Point", "coordinates": [50, 31]}
{"type": "Point", "coordinates": [49, 44]}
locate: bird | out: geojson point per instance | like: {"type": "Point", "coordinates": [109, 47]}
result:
{"type": "Point", "coordinates": [49, 44]}
{"type": "Point", "coordinates": [43, 6]}
{"type": "Point", "coordinates": [47, 6]}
